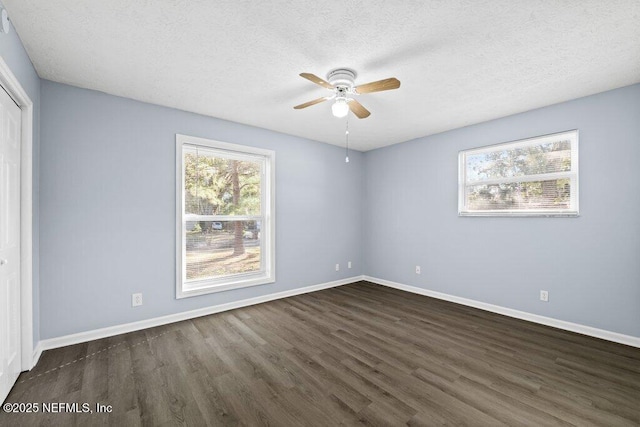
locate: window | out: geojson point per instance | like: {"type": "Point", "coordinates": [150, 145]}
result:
{"type": "Point", "coordinates": [531, 177]}
{"type": "Point", "coordinates": [225, 216]}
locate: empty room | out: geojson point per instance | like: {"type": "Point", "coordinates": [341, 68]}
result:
{"type": "Point", "coordinates": [300, 213]}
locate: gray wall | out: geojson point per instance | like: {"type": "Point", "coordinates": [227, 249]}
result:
{"type": "Point", "coordinates": [15, 56]}
{"type": "Point", "coordinates": [108, 209]}
{"type": "Point", "coordinates": [590, 265]}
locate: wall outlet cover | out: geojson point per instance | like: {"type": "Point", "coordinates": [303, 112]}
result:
{"type": "Point", "coordinates": [544, 296]}
{"type": "Point", "coordinates": [136, 299]}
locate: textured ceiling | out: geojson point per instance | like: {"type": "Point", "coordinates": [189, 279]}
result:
{"type": "Point", "coordinates": [460, 61]}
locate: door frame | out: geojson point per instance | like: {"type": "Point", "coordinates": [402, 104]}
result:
{"type": "Point", "coordinates": [11, 84]}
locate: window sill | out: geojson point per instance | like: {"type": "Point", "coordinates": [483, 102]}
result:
{"type": "Point", "coordinates": [547, 214]}
{"type": "Point", "coordinates": [207, 287]}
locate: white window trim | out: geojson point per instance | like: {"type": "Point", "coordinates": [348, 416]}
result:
{"type": "Point", "coordinates": [572, 135]}
{"type": "Point", "coordinates": [268, 228]}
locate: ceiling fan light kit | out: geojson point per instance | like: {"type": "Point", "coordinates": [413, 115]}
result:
{"type": "Point", "coordinates": [340, 107]}
{"type": "Point", "coordinates": [341, 81]}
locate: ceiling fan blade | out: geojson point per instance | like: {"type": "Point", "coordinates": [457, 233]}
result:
{"type": "Point", "coordinates": [317, 80]}
{"type": "Point", "coordinates": [310, 103]}
{"type": "Point", "coordinates": [380, 85]}
{"type": "Point", "coordinates": [358, 109]}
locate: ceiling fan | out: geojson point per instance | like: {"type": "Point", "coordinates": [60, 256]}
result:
{"type": "Point", "coordinates": [341, 83]}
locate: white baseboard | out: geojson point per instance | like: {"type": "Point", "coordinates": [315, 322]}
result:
{"type": "Point", "coordinates": [37, 352]}
{"type": "Point", "coordinates": [172, 318]}
{"type": "Point", "coordinates": [177, 317]}
{"type": "Point", "coordinates": [548, 321]}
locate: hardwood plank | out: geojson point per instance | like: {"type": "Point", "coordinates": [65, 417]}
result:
{"type": "Point", "coordinates": [360, 354]}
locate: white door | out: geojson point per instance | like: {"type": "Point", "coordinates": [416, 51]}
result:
{"type": "Point", "coordinates": [9, 243]}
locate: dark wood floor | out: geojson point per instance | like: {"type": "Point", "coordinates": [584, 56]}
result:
{"type": "Point", "coordinates": [357, 354]}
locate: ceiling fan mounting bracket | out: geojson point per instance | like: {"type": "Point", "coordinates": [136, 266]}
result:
{"type": "Point", "coordinates": [342, 77]}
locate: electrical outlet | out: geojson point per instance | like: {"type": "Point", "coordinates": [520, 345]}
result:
{"type": "Point", "coordinates": [544, 296]}
{"type": "Point", "coordinates": [337, 267]}
{"type": "Point", "coordinates": [349, 264]}
{"type": "Point", "coordinates": [418, 271]}
{"type": "Point", "coordinates": [136, 300]}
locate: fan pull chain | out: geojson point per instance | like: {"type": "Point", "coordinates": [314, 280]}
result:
{"type": "Point", "coordinates": [346, 159]}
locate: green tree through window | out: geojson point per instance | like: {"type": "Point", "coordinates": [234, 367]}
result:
{"type": "Point", "coordinates": [226, 215]}
{"type": "Point", "coordinates": [536, 176]}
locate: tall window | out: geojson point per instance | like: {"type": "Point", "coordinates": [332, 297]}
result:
{"type": "Point", "coordinates": [225, 225]}
{"type": "Point", "coordinates": [531, 177]}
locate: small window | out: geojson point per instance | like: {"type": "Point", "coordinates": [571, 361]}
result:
{"type": "Point", "coordinates": [531, 177]}
{"type": "Point", "coordinates": [225, 207]}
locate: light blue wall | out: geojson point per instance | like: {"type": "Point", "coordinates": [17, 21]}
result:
{"type": "Point", "coordinates": [13, 53]}
{"type": "Point", "coordinates": [590, 265]}
{"type": "Point", "coordinates": [107, 199]}
{"type": "Point", "coordinates": [107, 223]}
